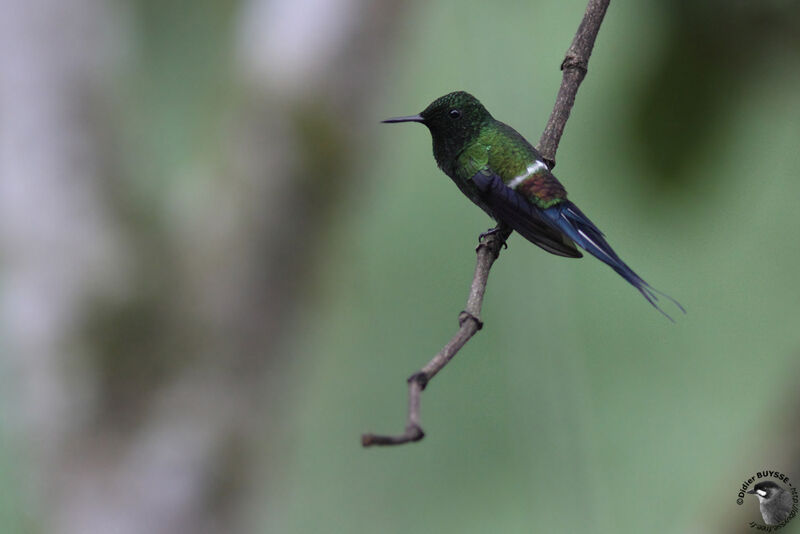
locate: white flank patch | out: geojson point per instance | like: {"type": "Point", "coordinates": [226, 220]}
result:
{"type": "Point", "coordinates": [533, 168]}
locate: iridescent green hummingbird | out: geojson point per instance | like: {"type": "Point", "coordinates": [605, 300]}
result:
{"type": "Point", "coordinates": [505, 175]}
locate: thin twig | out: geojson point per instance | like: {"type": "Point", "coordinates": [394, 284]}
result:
{"type": "Point", "coordinates": [469, 322]}
{"type": "Point", "coordinates": [574, 67]}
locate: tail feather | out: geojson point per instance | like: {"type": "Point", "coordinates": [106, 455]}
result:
{"type": "Point", "coordinates": [572, 221]}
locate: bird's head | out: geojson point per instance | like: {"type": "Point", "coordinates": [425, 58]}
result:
{"type": "Point", "coordinates": [765, 490]}
{"type": "Point", "coordinates": [453, 119]}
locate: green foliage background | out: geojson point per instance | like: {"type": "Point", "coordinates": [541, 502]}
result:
{"type": "Point", "coordinates": [577, 407]}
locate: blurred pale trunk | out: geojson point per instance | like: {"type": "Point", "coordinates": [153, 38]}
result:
{"type": "Point", "coordinates": [60, 245]}
{"type": "Point", "coordinates": [144, 353]}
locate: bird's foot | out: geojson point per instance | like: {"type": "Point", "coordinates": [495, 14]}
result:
{"type": "Point", "coordinates": [492, 231]}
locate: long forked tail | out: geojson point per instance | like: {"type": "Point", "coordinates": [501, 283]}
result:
{"type": "Point", "coordinates": [571, 220]}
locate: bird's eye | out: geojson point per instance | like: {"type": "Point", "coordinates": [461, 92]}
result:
{"type": "Point", "coordinates": [455, 113]}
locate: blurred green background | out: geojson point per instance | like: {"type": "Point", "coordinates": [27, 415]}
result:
{"type": "Point", "coordinates": [218, 269]}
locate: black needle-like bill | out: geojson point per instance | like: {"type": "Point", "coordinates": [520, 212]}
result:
{"type": "Point", "coordinates": [408, 118]}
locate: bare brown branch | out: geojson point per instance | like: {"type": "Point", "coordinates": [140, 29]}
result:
{"type": "Point", "coordinates": [574, 68]}
{"type": "Point", "coordinates": [469, 322]}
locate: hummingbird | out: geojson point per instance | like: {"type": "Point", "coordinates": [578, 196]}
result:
{"type": "Point", "coordinates": [504, 175]}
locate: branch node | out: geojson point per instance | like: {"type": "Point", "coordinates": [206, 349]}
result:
{"type": "Point", "coordinates": [575, 62]}
{"type": "Point", "coordinates": [465, 316]}
{"type": "Point", "coordinates": [414, 433]}
{"type": "Point", "coordinates": [420, 378]}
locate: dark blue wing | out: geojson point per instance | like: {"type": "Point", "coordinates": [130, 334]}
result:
{"type": "Point", "coordinates": [514, 210]}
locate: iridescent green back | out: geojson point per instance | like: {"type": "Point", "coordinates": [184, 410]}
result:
{"type": "Point", "coordinates": [501, 149]}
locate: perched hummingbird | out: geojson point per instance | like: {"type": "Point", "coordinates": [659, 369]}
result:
{"type": "Point", "coordinates": [505, 175]}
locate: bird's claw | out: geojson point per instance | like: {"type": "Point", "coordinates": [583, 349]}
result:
{"type": "Point", "coordinates": [491, 231]}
